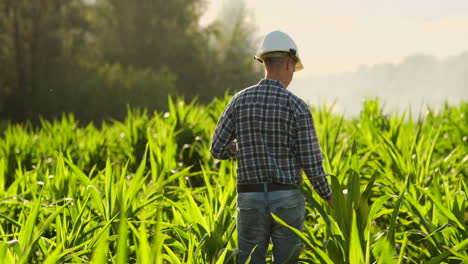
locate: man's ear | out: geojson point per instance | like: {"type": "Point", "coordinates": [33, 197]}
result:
{"type": "Point", "coordinates": [288, 64]}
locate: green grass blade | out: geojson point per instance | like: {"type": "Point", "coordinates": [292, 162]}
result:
{"type": "Point", "coordinates": [355, 250]}
{"type": "Point", "coordinates": [101, 249]}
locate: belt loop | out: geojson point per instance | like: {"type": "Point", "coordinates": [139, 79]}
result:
{"type": "Point", "coordinates": [265, 194]}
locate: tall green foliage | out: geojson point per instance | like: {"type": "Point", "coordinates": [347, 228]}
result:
{"type": "Point", "coordinates": [146, 190]}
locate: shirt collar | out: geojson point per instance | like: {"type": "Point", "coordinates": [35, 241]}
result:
{"type": "Point", "coordinates": [271, 82]}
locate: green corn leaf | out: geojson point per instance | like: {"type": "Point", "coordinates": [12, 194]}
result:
{"type": "Point", "coordinates": [355, 250]}
{"type": "Point", "coordinates": [317, 206]}
{"type": "Point", "coordinates": [443, 209]}
{"type": "Point", "coordinates": [158, 239]}
{"type": "Point", "coordinates": [27, 230]}
{"type": "Point", "coordinates": [172, 256]}
{"type": "Point", "coordinates": [438, 259]}
{"type": "Point", "coordinates": [100, 251]}
{"type": "Point", "coordinates": [324, 258]}
{"type": "Point", "coordinates": [55, 256]}
{"type": "Point", "coordinates": [144, 248]}
{"type": "Point", "coordinates": [341, 212]}
{"type": "Point", "coordinates": [7, 251]}
{"type": "Point", "coordinates": [222, 257]}
{"type": "Point", "coordinates": [396, 210]}
{"type": "Point", "coordinates": [95, 195]}
{"type": "Point", "coordinates": [122, 247]}
{"type": "Point", "coordinates": [27, 250]}
{"type": "Point", "coordinates": [249, 258]}
{"type": "Point", "coordinates": [376, 206]}
{"type": "Point", "coordinates": [403, 248]}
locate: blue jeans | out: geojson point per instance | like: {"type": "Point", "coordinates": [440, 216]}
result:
{"type": "Point", "coordinates": [256, 227]}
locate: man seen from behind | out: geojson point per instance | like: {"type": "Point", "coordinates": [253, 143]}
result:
{"type": "Point", "coordinates": [271, 133]}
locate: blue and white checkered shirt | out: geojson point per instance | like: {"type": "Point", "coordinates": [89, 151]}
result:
{"type": "Point", "coordinates": [272, 134]}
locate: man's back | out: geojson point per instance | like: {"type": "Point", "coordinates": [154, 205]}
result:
{"type": "Point", "coordinates": [264, 117]}
{"type": "Point", "coordinates": [275, 137]}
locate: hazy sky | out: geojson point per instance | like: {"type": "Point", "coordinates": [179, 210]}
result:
{"type": "Point", "coordinates": [336, 36]}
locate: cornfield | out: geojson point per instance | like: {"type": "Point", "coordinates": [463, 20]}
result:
{"type": "Point", "coordinates": [146, 190]}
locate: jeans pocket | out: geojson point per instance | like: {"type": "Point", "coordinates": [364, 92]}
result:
{"type": "Point", "coordinates": [250, 223]}
{"type": "Point", "coordinates": [291, 215]}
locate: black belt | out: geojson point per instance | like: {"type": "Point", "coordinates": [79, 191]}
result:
{"type": "Point", "coordinates": [260, 187]}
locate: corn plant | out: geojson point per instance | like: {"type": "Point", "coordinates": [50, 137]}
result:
{"type": "Point", "coordinates": [146, 190]}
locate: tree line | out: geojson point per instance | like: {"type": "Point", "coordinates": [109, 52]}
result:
{"type": "Point", "coordinates": [95, 57]}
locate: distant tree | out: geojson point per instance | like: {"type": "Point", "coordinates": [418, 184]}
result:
{"type": "Point", "coordinates": [36, 37]}
{"type": "Point", "coordinates": [95, 57]}
{"type": "Point", "coordinates": [113, 87]}
{"type": "Point", "coordinates": [232, 45]}
{"type": "Point", "coordinates": [154, 34]}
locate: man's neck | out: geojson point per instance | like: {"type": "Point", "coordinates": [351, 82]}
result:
{"type": "Point", "coordinates": [276, 77]}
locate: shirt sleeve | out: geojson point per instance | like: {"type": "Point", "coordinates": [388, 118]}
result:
{"type": "Point", "coordinates": [310, 155]}
{"type": "Point", "coordinates": [223, 144]}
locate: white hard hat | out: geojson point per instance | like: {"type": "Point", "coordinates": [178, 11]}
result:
{"type": "Point", "coordinates": [278, 41]}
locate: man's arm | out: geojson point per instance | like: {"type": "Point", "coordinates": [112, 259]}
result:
{"type": "Point", "coordinates": [223, 145]}
{"type": "Point", "coordinates": [310, 155]}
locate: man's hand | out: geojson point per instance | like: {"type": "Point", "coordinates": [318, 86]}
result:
{"type": "Point", "coordinates": [330, 203]}
{"type": "Point", "coordinates": [232, 149]}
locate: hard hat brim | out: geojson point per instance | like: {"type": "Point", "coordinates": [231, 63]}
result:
{"type": "Point", "coordinates": [298, 67]}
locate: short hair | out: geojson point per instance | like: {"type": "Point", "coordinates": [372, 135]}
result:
{"type": "Point", "coordinates": [274, 60]}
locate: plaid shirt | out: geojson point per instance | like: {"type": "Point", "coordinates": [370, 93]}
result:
{"type": "Point", "coordinates": [272, 134]}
